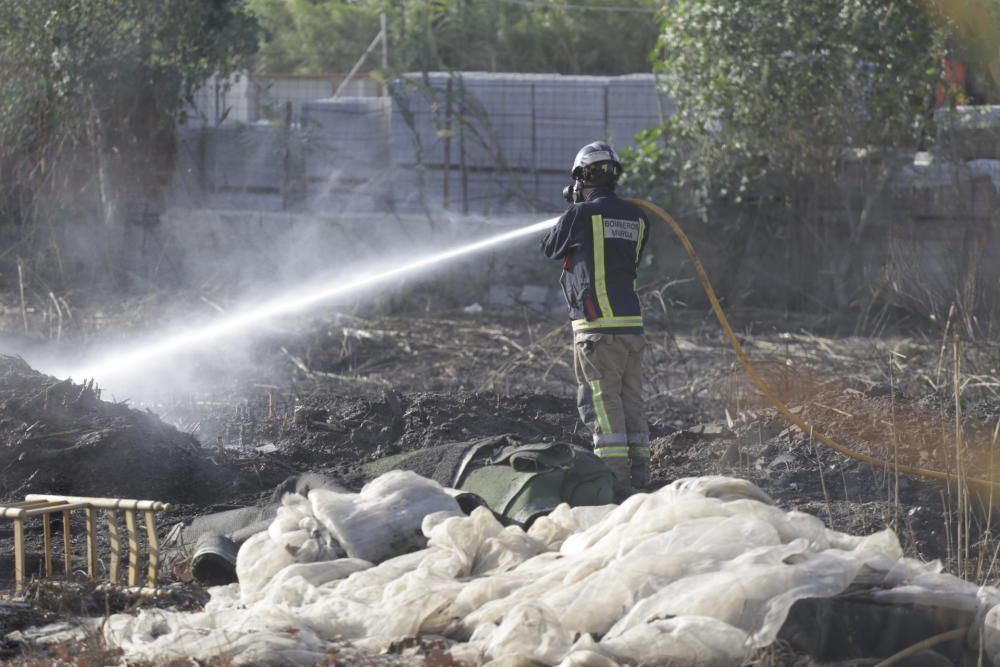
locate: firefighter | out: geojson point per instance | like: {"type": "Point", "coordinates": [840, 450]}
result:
{"type": "Point", "coordinates": [600, 240]}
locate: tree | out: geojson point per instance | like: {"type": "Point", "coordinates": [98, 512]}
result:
{"type": "Point", "coordinates": [772, 87]}
{"type": "Point", "coordinates": [773, 95]}
{"type": "Point", "coordinates": [976, 40]}
{"type": "Point", "coordinates": [91, 91]}
{"type": "Point", "coordinates": [323, 36]}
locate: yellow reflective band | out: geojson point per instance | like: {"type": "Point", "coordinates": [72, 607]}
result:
{"type": "Point", "coordinates": [638, 250]}
{"type": "Point", "coordinates": [608, 322]}
{"type": "Point", "coordinates": [640, 451]}
{"type": "Point", "coordinates": [599, 410]}
{"type": "Point", "coordinates": [600, 278]}
{"type": "Point", "coordinates": [611, 452]}
{"type": "Point", "coordinates": [638, 243]}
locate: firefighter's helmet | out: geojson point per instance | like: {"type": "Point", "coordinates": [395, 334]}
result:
{"type": "Point", "coordinates": [597, 163]}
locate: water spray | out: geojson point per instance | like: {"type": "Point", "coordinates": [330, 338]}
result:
{"type": "Point", "coordinates": [284, 304]}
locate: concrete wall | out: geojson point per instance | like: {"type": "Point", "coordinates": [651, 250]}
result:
{"type": "Point", "coordinates": [907, 256]}
{"type": "Point", "coordinates": [245, 252]}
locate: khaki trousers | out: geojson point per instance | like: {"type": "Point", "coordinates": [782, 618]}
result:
{"type": "Point", "coordinates": [609, 397]}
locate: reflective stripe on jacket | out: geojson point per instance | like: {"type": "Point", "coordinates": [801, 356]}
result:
{"type": "Point", "coordinates": [600, 241]}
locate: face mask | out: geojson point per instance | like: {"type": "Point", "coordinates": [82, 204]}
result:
{"type": "Point", "coordinates": [573, 193]}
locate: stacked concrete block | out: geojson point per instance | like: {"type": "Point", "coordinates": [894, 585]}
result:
{"type": "Point", "coordinates": [550, 187]}
{"type": "Point", "coordinates": [244, 158]}
{"type": "Point", "coordinates": [989, 168]}
{"type": "Point", "coordinates": [498, 112]}
{"type": "Point", "coordinates": [189, 178]}
{"type": "Point", "coordinates": [501, 193]}
{"type": "Point", "coordinates": [951, 190]}
{"type": "Point", "coordinates": [345, 131]}
{"type": "Point", "coordinates": [635, 103]}
{"type": "Point", "coordinates": [524, 128]}
{"type": "Point", "coordinates": [530, 121]}
{"type": "Point", "coordinates": [470, 141]}
{"type": "Point", "coordinates": [276, 93]}
{"type": "Point", "coordinates": [211, 171]}
{"type": "Point", "coordinates": [222, 100]}
{"type": "Point", "coordinates": [419, 118]}
{"type": "Point", "coordinates": [969, 133]}
{"type": "Point", "coordinates": [415, 189]}
{"type": "Point", "coordinates": [346, 152]}
{"type": "Point", "coordinates": [345, 193]}
{"type": "Point", "coordinates": [570, 111]}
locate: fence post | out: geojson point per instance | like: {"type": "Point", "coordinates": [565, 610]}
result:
{"type": "Point", "coordinates": [19, 553]}
{"type": "Point", "coordinates": [607, 119]}
{"type": "Point", "coordinates": [133, 547]}
{"type": "Point", "coordinates": [47, 545]}
{"type": "Point", "coordinates": [204, 186]}
{"type": "Point", "coordinates": [384, 25]}
{"type": "Point", "coordinates": [534, 146]}
{"type": "Point", "coordinates": [447, 142]}
{"type": "Point", "coordinates": [286, 158]}
{"type": "Point", "coordinates": [293, 177]}
{"type": "Point", "coordinates": [91, 542]}
{"type": "Point", "coordinates": [153, 549]}
{"type": "Point", "coordinates": [67, 543]}
{"type": "Point", "coordinates": [461, 149]}
{"type": "Point", "coordinates": [115, 544]}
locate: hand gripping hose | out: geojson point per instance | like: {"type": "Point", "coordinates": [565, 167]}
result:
{"type": "Point", "coordinates": [764, 389]}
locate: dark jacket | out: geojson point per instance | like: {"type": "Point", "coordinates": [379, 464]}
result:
{"type": "Point", "coordinates": [600, 241]}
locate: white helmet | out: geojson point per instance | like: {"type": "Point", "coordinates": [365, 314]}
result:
{"type": "Point", "coordinates": [596, 153]}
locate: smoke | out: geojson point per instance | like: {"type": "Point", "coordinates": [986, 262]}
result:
{"type": "Point", "coordinates": [170, 355]}
{"type": "Point", "coordinates": [225, 235]}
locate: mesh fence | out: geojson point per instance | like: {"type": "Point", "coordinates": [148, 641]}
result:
{"type": "Point", "coordinates": [243, 99]}
{"type": "Point", "coordinates": [504, 142]}
{"type": "Point", "coordinates": [470, 142]}
{"type": "Point", "coordinates": [276, 95]}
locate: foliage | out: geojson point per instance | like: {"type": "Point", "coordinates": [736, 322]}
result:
{"type": "Point", "coordinates": [770, 93]}
{"type": "Point", "coordinates": [98, 82]}
{"type": "Point", "coordinates": [322, 36]}
{"type": "Point", "coordinates": [976, 34]}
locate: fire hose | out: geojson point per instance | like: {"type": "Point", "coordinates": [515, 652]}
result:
{"type": "Point", "coordinates": [778, 404]}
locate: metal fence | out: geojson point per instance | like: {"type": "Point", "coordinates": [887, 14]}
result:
{"type": "Point", "coordinates": [498, 142]}
{"type": "Point", "coordinates": [469, 142]}
{"type": "Point", "coordinates": [250, 98]}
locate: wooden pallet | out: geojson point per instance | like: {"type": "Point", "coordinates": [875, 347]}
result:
{"type": "Point", "coordinates": [43, 506]}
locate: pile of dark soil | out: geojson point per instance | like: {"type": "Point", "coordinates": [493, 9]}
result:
{"type": "Point", "coordinates": [59, 437]}
{"type": "Point", "coordinates": [358, 430]}
{"type": "Point", "coordinates": [328, 431]}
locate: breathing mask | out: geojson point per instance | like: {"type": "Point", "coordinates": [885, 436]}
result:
{"type": "Point", "coordinates": [573, 193]}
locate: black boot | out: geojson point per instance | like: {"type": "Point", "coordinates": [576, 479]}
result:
{"type": "Point", "coordinates": [621, 468]}
{"type": "Point", "coordinates": [640, 473]}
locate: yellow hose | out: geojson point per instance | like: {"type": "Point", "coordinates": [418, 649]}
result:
{"type": "Point", "coordinates": [759, 381]}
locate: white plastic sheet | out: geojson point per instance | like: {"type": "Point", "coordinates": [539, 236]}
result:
{"type": "Point", "coordinates": [699, 573]}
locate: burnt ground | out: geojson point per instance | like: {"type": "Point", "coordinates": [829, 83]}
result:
{"type": "Point", "coordinates": [330, 393]}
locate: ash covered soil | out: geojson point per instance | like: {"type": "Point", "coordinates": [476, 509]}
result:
{"type": "Point", "coordinates": [331, 393]}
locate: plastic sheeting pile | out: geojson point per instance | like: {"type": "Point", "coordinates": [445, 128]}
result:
{"type": "Point", "coordinates": [701, 572]}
